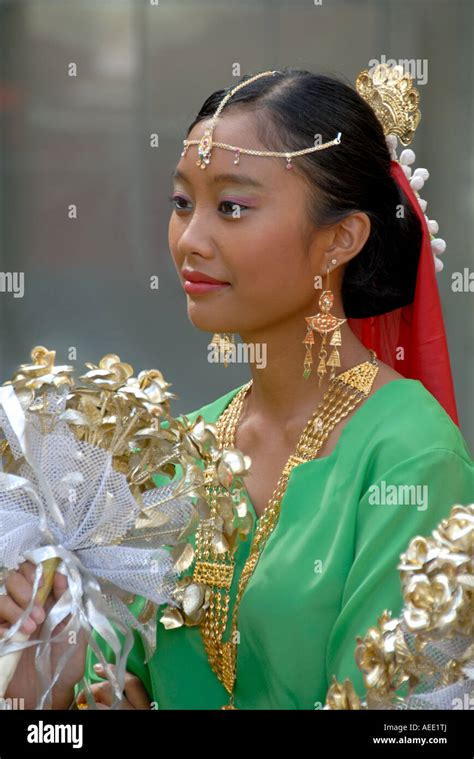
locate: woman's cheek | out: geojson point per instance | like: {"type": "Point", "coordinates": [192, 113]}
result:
{"type": "Point", "coordinates": [172, 240]}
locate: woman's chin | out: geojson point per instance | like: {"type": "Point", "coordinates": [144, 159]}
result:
{"type": "Point", "coordinates": [204, 318]}
{"type": "Point", "coordinates": [210, 326]}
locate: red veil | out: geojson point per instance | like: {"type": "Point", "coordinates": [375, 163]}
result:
{"type": "Point", "coordinates": [418, 328]}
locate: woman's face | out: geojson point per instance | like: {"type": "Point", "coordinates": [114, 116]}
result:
{"type": "Point", "coordinates": [251, 234]}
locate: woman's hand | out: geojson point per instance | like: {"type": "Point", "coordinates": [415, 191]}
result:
{"type": "Point", "coordinates": [19, 587]}
{"type": "Point", "coordinates": [135, 695]}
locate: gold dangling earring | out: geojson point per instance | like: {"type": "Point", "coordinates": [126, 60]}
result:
{"type": "Point", "coordinates": [323, 322]}
{"type": "Point", "coordinates": [224, 343]}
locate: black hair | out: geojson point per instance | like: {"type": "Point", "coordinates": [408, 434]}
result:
{"type": "Point", "coordinates": [291, 108]}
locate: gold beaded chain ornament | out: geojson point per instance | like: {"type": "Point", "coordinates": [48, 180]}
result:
{"type": "Point", "coordinates": [206, 143]}
{"type": "Point", "coordinates": [214, 568]}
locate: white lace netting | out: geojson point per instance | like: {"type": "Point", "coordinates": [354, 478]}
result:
{"type": "Point", "coordinates": [428, 694]}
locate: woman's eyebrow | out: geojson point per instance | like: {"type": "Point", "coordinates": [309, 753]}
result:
{"type": "Point", "coordinates": [240, 179]}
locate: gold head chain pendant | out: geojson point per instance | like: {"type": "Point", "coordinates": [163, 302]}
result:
{"type": "Point", "coordinates": [206, 143]}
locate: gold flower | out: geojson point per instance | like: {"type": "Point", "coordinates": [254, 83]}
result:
{"type": "Point", "coordinates": [192, 600]}
{"type": "Point", "coordinates": [457, 531]}
{"type": "Point", "coordinates": [110, 373]}
{"type": "Point", "coordinates": [31, 377]}
{"type": "Point", "coordinates": [432, 602]}
{"type": "Point", "coordinates": [342, 696]}
{"type": "Point", "coordinates": [382, 654]}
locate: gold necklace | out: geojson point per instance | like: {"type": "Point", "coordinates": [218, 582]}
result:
{"type": "Point", "coordinates": [216, 570]}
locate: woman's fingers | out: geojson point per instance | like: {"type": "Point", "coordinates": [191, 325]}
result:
{"type": "Point", "coordinates": [136, 696]}
{"type": "Point", "coordinates": [10, 612]}
{"type": "Point", "coordinates": [135, 692]}
{"type": "Point", "coordinates": [101, 692]}
{"type": "Point", "coordinates": [19, 596]}
{"type": "Point", "coordinates": [28, 569]}
{"type": "Point", "coordinates": [59, 584]}
{"type": "Point", "coordinates": [82, 703]}
{"type": "Point", "coordinates": [19, 589]}
{"type": "Point", "coordinates": [102, 695]}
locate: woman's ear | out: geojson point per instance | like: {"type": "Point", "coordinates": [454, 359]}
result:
{"type": "Point", "coordinates": [350, 236]}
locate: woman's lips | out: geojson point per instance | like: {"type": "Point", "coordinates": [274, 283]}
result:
{"type": "Point", "coordinates": [202, 288]}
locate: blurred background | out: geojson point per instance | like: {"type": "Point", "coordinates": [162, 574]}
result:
{"type": "Point", "coordinates": [145, 67]}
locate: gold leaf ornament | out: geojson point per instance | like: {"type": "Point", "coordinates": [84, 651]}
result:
{"type": "Point", "coordinates": [390, 92]}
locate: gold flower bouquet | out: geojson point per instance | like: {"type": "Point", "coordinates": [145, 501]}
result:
{"type": "Point", "coordinates": [425, 658]}
{"type": "Point", "coordinates": [77, 496]}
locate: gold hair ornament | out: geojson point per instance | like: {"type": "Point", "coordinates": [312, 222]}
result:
{"type": "Point", "coordinates": [390, 92]}
{"type": "Point", "coordinates": [206, 143]}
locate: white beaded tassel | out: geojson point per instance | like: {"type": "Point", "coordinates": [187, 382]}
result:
{"type": "Point", "coordinates": [417, 179]}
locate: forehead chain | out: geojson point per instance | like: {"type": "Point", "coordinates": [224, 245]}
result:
{"type": "Point", "coordinates": [206, 143]}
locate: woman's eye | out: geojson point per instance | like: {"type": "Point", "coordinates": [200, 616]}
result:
{"type": "Point", "coordinates": [175, 199]}
{"type": "Point", "coordinates": [231, 207]}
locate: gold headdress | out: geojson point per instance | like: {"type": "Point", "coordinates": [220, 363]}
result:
{"type": "Point", "coordinates": [390, 92]}
{"type": "Point", "coordinates": [206, 143]}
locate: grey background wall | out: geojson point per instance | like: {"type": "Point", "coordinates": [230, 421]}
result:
{"type": "Point", "coordinates": [146, 68]}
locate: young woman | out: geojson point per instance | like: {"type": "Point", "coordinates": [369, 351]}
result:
{"type": "Point", "coordinates": [320, 562]}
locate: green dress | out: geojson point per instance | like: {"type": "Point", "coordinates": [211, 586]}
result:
{"type": "Point", "coordinates": [329, 568]}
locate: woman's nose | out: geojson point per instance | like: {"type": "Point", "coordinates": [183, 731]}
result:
{"type": "Point", "coordinates": [195, 237]}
